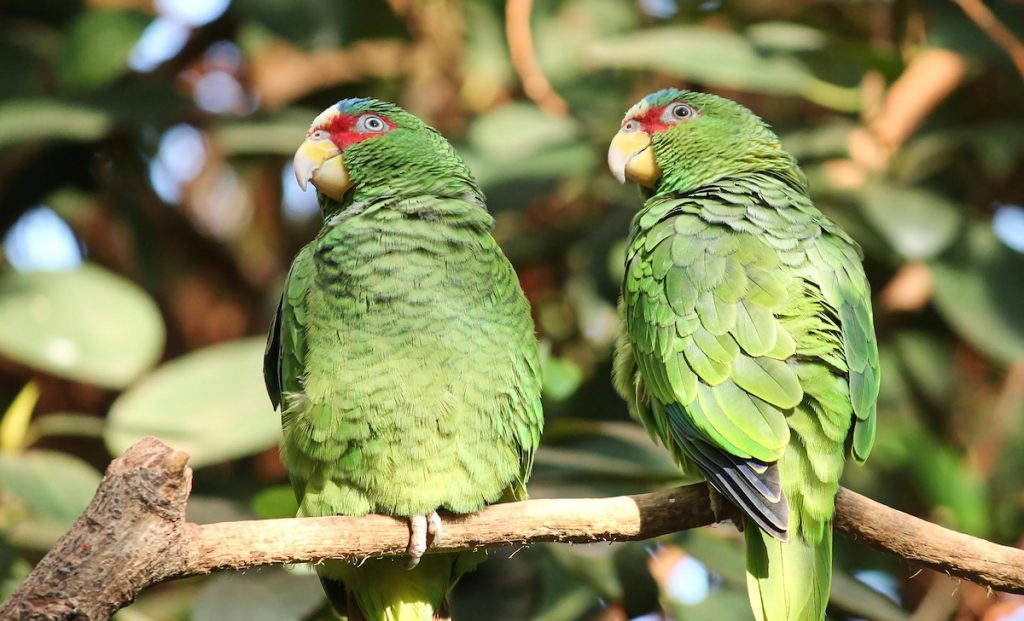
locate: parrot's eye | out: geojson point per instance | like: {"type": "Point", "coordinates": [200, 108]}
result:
{"type": "Point", "coordinates": [632, 125]}
{"type": "Point", "coordinates": [320, 134]}
{"type": "Point", "coordinates": [678, 112]}
{"type": "Point", "coordinates": [370, 123]}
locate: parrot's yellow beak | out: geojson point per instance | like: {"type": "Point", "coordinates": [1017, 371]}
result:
{"type": "Point", "coordinates": [319, 162]}
{"type": "Point", "coordinates": [631, 156]}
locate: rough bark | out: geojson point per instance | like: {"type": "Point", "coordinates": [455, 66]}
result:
{"type": "Point", "coordinates": [134, 534]}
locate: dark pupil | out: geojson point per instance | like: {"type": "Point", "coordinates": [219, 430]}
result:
{"type": "Point", "coordinates": [681, 111]}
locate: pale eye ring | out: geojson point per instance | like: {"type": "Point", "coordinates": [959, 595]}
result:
{"type": "Point", "coordinates": [630, 126]}
{"type": "Point", "coordinates": [370, 123]}
{"type": "Point", "coordinates": [320, 134]}
{"type": "Point", "coordinates": [677, 112]}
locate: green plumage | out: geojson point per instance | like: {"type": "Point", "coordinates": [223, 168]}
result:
{"type": "Point", "coordinates": [404, 361]}
{"type": "Point", "coordinates": [748, 345]}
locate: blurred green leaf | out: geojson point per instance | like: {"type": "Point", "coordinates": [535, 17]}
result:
{"type": "Point", "coordinates": [518, 142]}
{"type": "Point", "coordinates": [719, 58]}
{"type": "Point", "coordinates": [978, 290]}
{"type": "Point", "coordinates": [40, 119]}
{"type": "Point", "coordinates": [275, 502]}
{"type": "Point", "coordinates": [561, 377]}
{"type": "Point", "coordinates": [640, 591]}
{"type": "Point", "coordinates": [722, 604]}
{"type": "Point", "coordinates": [928, 363]}
{"type": "Point", "coordinates": [518, 130]}
{"type": "Point", "coordinates": [203, 509]}
{"type": "Point", "coordinates": [70, 424]}
{"type": "Point", "coordinates": [50, 491]}
{"type": "Point", "coordinates": [861, 601]}
{"type": "Point", "coordinates": [97, 46]}
{"type": "Point", "coordinates": [210, 403]}
{"type": "Point", "coordinates": [269, 594]}
{"type": "Point", "coordinates": [88, 325]}
{"type": "Point", "coordinates": [786, 36]}
{"type": "Point", "coordinates": [917, 222]}
{"type": "Point", "coordinates": [278, 136]}
{"type": "Point", "coordinates": [592, 564]}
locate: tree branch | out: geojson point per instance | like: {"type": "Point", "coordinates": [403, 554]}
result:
{"type": "Point", "coordinates": [134, 534]}
{"type": "Point", "coordinates": [524, 59]}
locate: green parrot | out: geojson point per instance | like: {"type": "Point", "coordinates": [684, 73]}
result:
{"type": "Point", "coordinates": [403, 355]}
{"type": "Point", "coordinates": [747, 347]}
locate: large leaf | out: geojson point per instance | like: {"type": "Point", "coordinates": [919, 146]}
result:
{"type": "Point", "coordinates": [917, 222]}
{"type": "Point", "coordinates": [87, 324]}
{"type": "Point", "coordinates": [718, 58]}
{"type": "Point", "coordinates": [518, 130]}
{"type": "Point", "coordinates": [49, 491]}
{"type": "Point", "coordinates": [24, 119]}
{"type": "Point", "coordinates": [97, 47]}
{"type": "Point", "coordinates": [210, 403]}
{"type": "Point", "coordinates": [978, 290]}
{"type": "Point", "coordinates": [271, 594]}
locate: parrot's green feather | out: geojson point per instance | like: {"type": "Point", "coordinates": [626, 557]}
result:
{"type": "Point", "coordinates": [404, 361]}
{"type": "Point", "coordinates": [796, 594]}
{"type": "Point", "coordinates": [749, 349]}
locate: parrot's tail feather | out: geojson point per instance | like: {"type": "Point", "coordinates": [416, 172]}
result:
{"type": "Point", "coordinates": [384, 590]}
{"type": "Point", "coordinates": [750, 484]}
{"type": "Point", "coordinates": [340, 599]}
{"type": "Point", "coordinates": [788, 580]}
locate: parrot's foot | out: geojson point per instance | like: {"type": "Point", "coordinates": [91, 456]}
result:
{"type": "Point", "coordinates": [424, 531]}
{"type": "Point", "coordinates": [721, 509]}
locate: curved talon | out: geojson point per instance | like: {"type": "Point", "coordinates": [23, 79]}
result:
{"type": "Point", "coordinates": [434, 528]}
{"type": "Point", "coordinates": [424, 531]}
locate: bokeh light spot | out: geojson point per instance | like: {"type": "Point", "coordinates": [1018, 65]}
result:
{"type": "Point", "coordinates": [179, 159]}
{"type": "Point", "coordinates": [881, 582]}
{"type": "Point", "coordinates": [161, 40]}
{"type": "Point", "coordinates": [689, 582]}
{"type": "Point", "coordinates": [1008, 225]}
{"type": "Point", "coordinates": [192, 12]}
{"type": "Point", "coordinates": [219, 92]}
{"type": "Point", "coordinates": [661, 9]}
{"type": "Point", "coordinates": [297, 205]}
{"type": "Point", "coordinates": [42, 240]}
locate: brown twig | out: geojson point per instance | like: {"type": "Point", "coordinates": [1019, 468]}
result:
{"type": "Point", "coordinates": [524, 58]}
{"type": "Point", "coordinates": [995, 29]}
{"type": "Point", "coordinates": [927, 81]}
{"type": "Point", "coordinates": [134, 534]}
{"type": "Point", "coordinates": [280, 73]}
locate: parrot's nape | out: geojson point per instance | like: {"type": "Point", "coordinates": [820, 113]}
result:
{"type": "Point", "coordinates": [403, 355]}
{"type": "Point", "coordinates": [748, 347]}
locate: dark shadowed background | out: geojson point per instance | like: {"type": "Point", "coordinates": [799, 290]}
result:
{"type": "Point", "coordinates": [148, 214]}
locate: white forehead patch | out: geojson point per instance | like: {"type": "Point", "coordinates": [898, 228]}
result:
{"type": "Point", "coordinates": [323, 118]}
{"type": "Point", "coordinates": [639, 109]}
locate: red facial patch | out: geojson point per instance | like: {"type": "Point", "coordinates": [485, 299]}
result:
{"type": "Point", "coordinates": [651, 121]}
{"type": "Point", "coordinates": [343, 129]}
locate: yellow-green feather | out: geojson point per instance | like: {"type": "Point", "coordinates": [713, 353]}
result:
{"type": "Point", "coordinates": [405, 363]}
{"type": "Point", "coordinates": [748, 344]}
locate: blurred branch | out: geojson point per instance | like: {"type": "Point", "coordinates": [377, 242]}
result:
{"type": "Point", "coordinates": [995, 29]}
{"type": "Point", "coordinates": [524, 58]}
{"type": "Point", "coordinates": [1000, 425]}
{"type": "Point", "coordinates": [926, 82]}
{"type": "Point", "coordinates": [281, 73]}
{"type": "Point", "coordinates": [134, 534]}
{"type": "Point", "coordinates": [909, 290]}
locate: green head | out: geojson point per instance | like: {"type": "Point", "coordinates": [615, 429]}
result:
{"type": "Point", "coordinates": [362, 150]}
{"type": "Point", "coordinates": [675, 141]}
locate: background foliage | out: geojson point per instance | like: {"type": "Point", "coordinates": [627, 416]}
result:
{"type": "Point", "coordinates": [149, 216]}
